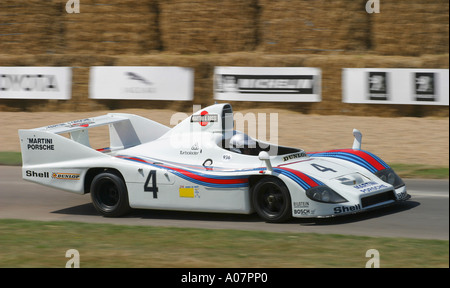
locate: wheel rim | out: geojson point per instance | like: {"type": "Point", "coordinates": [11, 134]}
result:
{"type": "Point", "coordinates": [271, 200]}
{"type": "Point", "coordinates": [108, 194]}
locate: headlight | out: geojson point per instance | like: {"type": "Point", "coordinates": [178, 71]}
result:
{"type": "Point", "coordinates": [324, 194]}
{"type": "Point", "coordinates": [389, 176]}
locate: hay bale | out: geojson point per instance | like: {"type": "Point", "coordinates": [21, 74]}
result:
{"type": "Point", "coordinates": [29, 27]}
{"type": "Point", "coordinates": [313, 26]}
{"type": "Point", "coordinates": [411, 28]}
{"type": "Point", "coordinates": [112, 28]}
{"type": "Point", "coordinates": [207, 26]}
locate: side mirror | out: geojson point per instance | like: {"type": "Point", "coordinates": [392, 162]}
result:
{"type": "Point", "coordinates": [264, 156]}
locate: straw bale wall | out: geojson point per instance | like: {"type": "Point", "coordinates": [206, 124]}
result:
{"type": "Point", "coordinates": [202, 34]}
{"type": "Point", "coordinates": [208, 26]}
{"type": "Point", "coordinates": [411, 28]}
{"type": "Point", "coordinates": [313, 26]}
{"type": "Point", "coordinates": [31, 27]}
{"type": "Point", "coordinates": [112, 27]}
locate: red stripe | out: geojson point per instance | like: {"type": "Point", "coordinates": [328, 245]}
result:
{"type": "Point", "coordinates": [377, 165]}
{"type": "Point", "coordinates": [302, 176]}
{"type": "Point", "coordinates": [206, 179]}
{"type": "Point", "coordinates": [193, 175]}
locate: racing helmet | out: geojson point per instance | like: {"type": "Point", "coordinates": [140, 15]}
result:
{"type": "Point", "coordinates": [241, 140]}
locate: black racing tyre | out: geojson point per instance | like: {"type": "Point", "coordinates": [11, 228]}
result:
{"type": "Point", "coordinates": [271, 200]}
{"type": "Point", "coordinates": [109, 195]}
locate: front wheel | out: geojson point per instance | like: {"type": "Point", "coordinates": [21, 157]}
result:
{"type": "Point", "coordinates": [271, 200]}
{"type": "Point", "coordinates": [109, 195]}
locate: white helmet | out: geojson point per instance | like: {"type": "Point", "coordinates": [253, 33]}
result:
{"type": "Point", "coordinates": [241, 140]}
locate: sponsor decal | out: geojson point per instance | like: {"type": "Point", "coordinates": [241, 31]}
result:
{"type": "Point", "coordinates": [135, 76]}
{"type": "Point", "coordinates": [35, 82]}
{"type": "Point", "coordinates": [76, 123]}
{"type": "Point", "coordinates": [204, 118]}
{"type": "Point", "coordinates": [40, 144]}
{"type": "Point", "coordinates": [145, 86]}
{"type": "Point", "coordinates": [365, 185]}
{"type": "Point", "coordinates": [266, 84]}
{"type": "Point", "coordinates": [301, 204]}
{"type": "Point", "coordinates": [425, 86]}
{"type": "Point", "coordinates": [294, 156]}
{"type": "Point", "coordinates": [189, 191]}
{"type": "Point", "coordinates": [31, 173]}
{"type": "Point", "coordinates": [80, 123]}
{"type": "Point", "coordinates": [28, 82]}
{"type": "Point", "coordinates": [195, 150]}
{"type": "Point", "coordinates": [66, 176]}
{"type": "Point", "coordinates": [370, 187]}
{"type": "Point", "coordinates": [378, 85]}
{"type": "Point", "coordinates": [345, 209]}
{"type": "Point", "coordinates": [189, 153]}
{"type": "Point", "coordinates": [273, 84]}
{"type": "Point", "coordinates": [304, 212]}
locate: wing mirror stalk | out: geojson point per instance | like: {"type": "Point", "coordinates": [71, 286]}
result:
{"type": "Point", "coordinates": [264, 156]}
{"type": "Point", "coordinates": [358, 139]}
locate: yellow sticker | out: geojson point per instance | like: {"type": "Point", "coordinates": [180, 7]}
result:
{"type": "Point", "coordinates": [187, 192]}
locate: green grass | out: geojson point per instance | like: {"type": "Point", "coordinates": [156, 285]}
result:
{"type": "Point", "coordinates": [44, 244]}
{"type": "Point", "coordinates": [421, 171]}
{"type": "Point", "coordinates": [10, 158]}
{"type": "Point", "coordinates": [403, 170]}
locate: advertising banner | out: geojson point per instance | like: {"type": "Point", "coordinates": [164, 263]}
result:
{"type": "Point", "coordinates": [36, 83]}
{"type": "Point", "coordinates": [395, 86]}
{"type": "Point", "coordinates": [141, 83]}
{"type": "Point", "coordinates": [270, 84]}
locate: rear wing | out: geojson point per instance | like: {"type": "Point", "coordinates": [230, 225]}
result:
{"type": "Point", "coordinates": [45, 144]}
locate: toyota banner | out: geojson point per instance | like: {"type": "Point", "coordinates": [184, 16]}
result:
{"type": "Point", "coordinates": [36, 83]}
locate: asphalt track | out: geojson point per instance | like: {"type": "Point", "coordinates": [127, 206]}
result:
{"type": "Point", "coordinates": [424, 216]}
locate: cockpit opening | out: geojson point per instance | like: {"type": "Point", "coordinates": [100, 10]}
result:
{"type": "Point", "coordinates": [242, 143]}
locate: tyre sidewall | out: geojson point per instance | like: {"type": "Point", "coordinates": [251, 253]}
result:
{"type": "Point", "coordinates": [121, 206]}
{"type": "Point", "coordinates": [286, 211]}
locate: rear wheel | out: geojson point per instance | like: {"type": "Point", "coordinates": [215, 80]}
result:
{"type": "Point", "coordinates": [271, 200]}
{"type": "Point", "coordinates": [109, 195]}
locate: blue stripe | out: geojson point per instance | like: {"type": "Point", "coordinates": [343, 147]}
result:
{"type": "Point", "coordinates": [181, 175]}
{"type": "Point", "coordinates": [348, 157]}
{"type": "Point", "coordinates": [297, 179]}
{"type": "Point", "coordinates": [378, 159]}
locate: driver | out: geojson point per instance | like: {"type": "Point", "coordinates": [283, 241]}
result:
{"type": "Point", "coordinates": [242, 143]}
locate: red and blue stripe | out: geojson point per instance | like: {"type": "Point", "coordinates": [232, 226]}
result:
{"type": "Point", "coordinates": [300, 178]}
{"type": "Point", "coordinates": [360, 157]}
{"type": "Point", "coordinates": [217, 181]}
{"type": "Point", "coordinates": [220, 181]}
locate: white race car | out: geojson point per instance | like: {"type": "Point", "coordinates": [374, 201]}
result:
{"type": "Point", "coordinates": [203, 164]}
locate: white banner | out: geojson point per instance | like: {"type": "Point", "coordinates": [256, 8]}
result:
{"type": "Point", "coordinates": [141, 83]}
{"type": "Point", "coordinates": [395, 86]}
{"type": "Point", "coordinates": [270, 84]}
{"type": "Point", "coordinates": [36, 83]}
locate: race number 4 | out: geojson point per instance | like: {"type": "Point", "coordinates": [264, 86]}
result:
{"type": "Point", "coordinates": [322, 168]}
{"type": "Point", "coordinates": [153, 188]}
